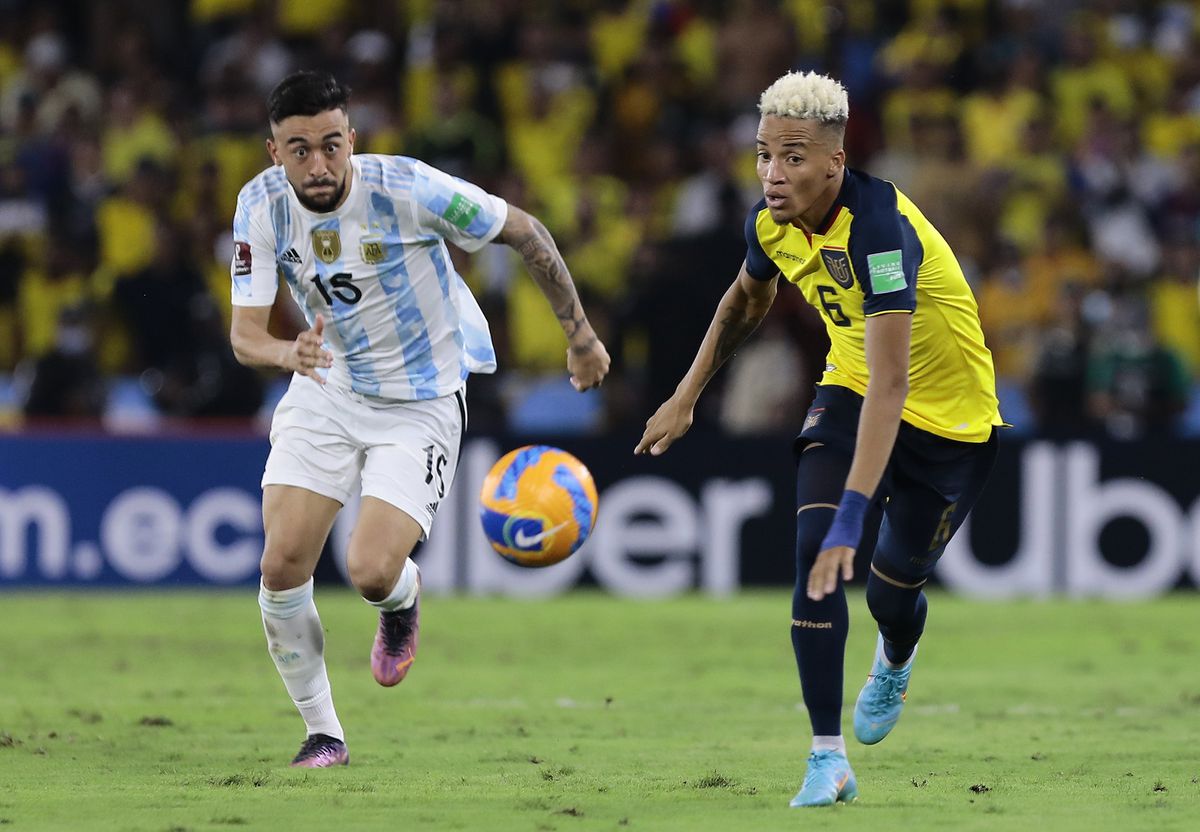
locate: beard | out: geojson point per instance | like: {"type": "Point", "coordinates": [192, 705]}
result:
{"type": "Point", "coordinates": [323, 203]}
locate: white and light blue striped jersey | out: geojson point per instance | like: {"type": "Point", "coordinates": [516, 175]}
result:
{"type": "Point", "coordinates": [400, 322]}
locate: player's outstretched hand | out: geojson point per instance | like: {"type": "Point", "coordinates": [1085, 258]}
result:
{"type": "Point", "coordinates": [823, 577]}
{"type": "Point", "coordinates": [307, 353]}
{"type": "Point", "coordinates": [588, 364]}
{"type": "Point", "coordinates": [669, 422]}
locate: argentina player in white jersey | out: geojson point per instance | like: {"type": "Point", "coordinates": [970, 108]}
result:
{"type": "Point", "coordinates": [377, 392]}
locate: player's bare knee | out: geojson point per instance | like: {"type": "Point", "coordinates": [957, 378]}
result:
{"type": "Point", "coordinates": [284, 567]}
{"type": "Point", "coordinates": [373, 578]}
{"type": "Point", "coordinates": [280, 576]}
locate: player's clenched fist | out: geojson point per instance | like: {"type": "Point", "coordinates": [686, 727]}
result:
{"type": "Point", "coordinates": [588, 364]}
{"type": "Point", "coordinates": [306, 353]}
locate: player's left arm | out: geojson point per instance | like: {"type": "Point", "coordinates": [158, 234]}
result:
{"type": "Point", "coordinates": [587, 359]}
{"type": "Point", "coordinates": [888, 337]}
{"type": "Point", "coordinates": [886, 255]}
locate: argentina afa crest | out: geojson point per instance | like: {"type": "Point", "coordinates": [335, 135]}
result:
{"type": "Point", "coordinates": [327, 245]}
{"type": "Point", "coordinates": [837, 263]}
{"type": "Point", "coordinates": [372, 250]}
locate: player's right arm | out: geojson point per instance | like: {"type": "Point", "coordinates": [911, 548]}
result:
{"type": "Point", "coordinates": [587, 358]}
{"type": "Point", "coordinates": [255, 346]}
{"type": "Point", "coordinates": [254, 283]}
{"type": "Point", "coordinates": [739, 313]}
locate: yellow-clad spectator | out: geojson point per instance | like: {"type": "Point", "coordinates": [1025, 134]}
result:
{"type": "Point", "coordinates": [921, 96]}
{"type": "Point", "coordinates": [598, 245]}
{"type": "Point", "coordinates": [1167, 131]}
{"type": "Point", "coordinates": [617, 35]}
{"type": "Point", "coordinates": [1060, 257]}
{"type": "Point", "coordinates": [14, 261]}
{"type": "Point", "coordinates": [927, 39]}
{"type": "Point", "coordinates": [232, 157]}
{"type": "Point", "coordinates": [811, 19]}
{"type": "Point", "coordinates": [994, 117]}
{"type": "Point", "coordinates": [136, 131]}
{"type": "Point", "coordinates": [10, 63]}
{"type": "Point", "coordinates": [755, 42]}
{"type": "Point", "coordinates": [125, 227]}
{"type": "Point", "coordinates": [1133, 47]}
{"type": "Point", "coordinates": [44, 294]}
{"type": "Point", "coordinates": [1174, 305]}
{"type": "Point", "coordinates": [457, 139]}
{"type": "Point", "coordinates": [696, 49]}
{"type": "Point", "coordinates": [544, 126]}
{"type": "Point", "coordinates": [52, 86]}
{"type": "Point", "coordinates": [947, 184]}
{"type": "Point", "coordinates": [1036, 186]}
{"type": "Point", "coordinates": [310, 17]}
{"type": "Point", "coordinates": [1010, 317]}
{"type": "Point", "coordinates": [208, 11]}
{"type": "Point", "coordinates": [1085, 79]}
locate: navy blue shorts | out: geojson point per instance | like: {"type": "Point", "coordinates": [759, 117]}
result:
{"type": "Point", "coordinates": [930, 484]}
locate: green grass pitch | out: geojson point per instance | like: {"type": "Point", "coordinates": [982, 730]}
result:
{"type": "Point", "coordinates": [162, 711]}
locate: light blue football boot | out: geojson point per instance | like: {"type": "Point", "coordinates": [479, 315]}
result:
{"type": "Point", "coordinates": [828, 780]}
{"type": "Point", "coordinates": [882, 698]}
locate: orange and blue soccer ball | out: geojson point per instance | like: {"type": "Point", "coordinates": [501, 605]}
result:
{"type": "Point", "coordinates": [538, 505]}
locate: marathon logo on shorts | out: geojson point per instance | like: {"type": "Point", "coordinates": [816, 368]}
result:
{"type": "Point", "coordinates": [241, 258]}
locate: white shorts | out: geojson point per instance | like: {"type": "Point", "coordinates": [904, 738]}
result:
{"type": "Point", "coordinates": [324, 439]}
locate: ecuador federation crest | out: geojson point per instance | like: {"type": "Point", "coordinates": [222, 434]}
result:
{"type": "Point", "coordinates": [838, 264]}
{"type": "Point", "coordinates": [327, 245]}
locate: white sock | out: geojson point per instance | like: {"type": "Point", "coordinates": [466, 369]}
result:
{"type": "Point", "coordinates": [296, 643]}
{"type": "Point", "coordinates": [404, 593]}
{"type": "Point", "coordinates": [837, 743]}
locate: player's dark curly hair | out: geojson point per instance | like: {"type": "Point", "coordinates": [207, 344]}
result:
{"type": "Point", "coordinates": [306, 93]}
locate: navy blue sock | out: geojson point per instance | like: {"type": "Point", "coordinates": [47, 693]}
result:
{"type": "Point", "coordinates": [819, 631]}
{"type": "Point", "coordinates": [819, 628]}
{"type": "Point", "coordinates": [900, 613]}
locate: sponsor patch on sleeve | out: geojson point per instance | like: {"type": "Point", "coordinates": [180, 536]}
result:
{"type": "Point", "coordinates": [241, 258]}
{"type": "Point", "coordinates": [887, 272]}
{"type": "Point", "coordinates": [460, 211]}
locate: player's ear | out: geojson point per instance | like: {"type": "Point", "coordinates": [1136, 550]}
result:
{"type": "Point", "coordinates": [836, 162]}
{"type": "Point", "coordinates": [351, 136]}
{"type": "Point", "coordinates": [272, 151]}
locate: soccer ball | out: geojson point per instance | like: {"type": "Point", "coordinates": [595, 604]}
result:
{"type": "Point", "coordinates": [538, 505]}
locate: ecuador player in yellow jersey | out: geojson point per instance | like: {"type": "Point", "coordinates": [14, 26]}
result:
{"type": "Point", "coordinates": [901, 435]}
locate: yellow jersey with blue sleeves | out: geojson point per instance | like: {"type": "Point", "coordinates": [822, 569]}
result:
{"type": "Point", "coordinates": [876, 254]}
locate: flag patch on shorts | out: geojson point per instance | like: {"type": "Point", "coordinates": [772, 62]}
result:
{"type": "Point", "coordinates": [887, 272]}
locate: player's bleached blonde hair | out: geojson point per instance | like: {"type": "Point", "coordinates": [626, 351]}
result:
{"type": "Point", "coordinates": [806, 95]}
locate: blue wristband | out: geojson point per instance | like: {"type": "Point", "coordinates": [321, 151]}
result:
{"type": "Point", "coordinates": [847, 526]}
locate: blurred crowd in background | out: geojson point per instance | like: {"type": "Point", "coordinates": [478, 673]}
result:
{"type": "Point", "coordinates": [1056, 145]}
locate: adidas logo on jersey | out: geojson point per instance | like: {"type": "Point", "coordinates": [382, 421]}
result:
{"type": "Point", "coordinates": [291, 256]}
{"type": "Point", "coordinates": [431, 509]}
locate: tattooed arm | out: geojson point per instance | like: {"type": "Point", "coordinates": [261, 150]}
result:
{"type": "Point", "coordinates": [587, 359]}
{"type": "Point", "coordinates": [739, 313]}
